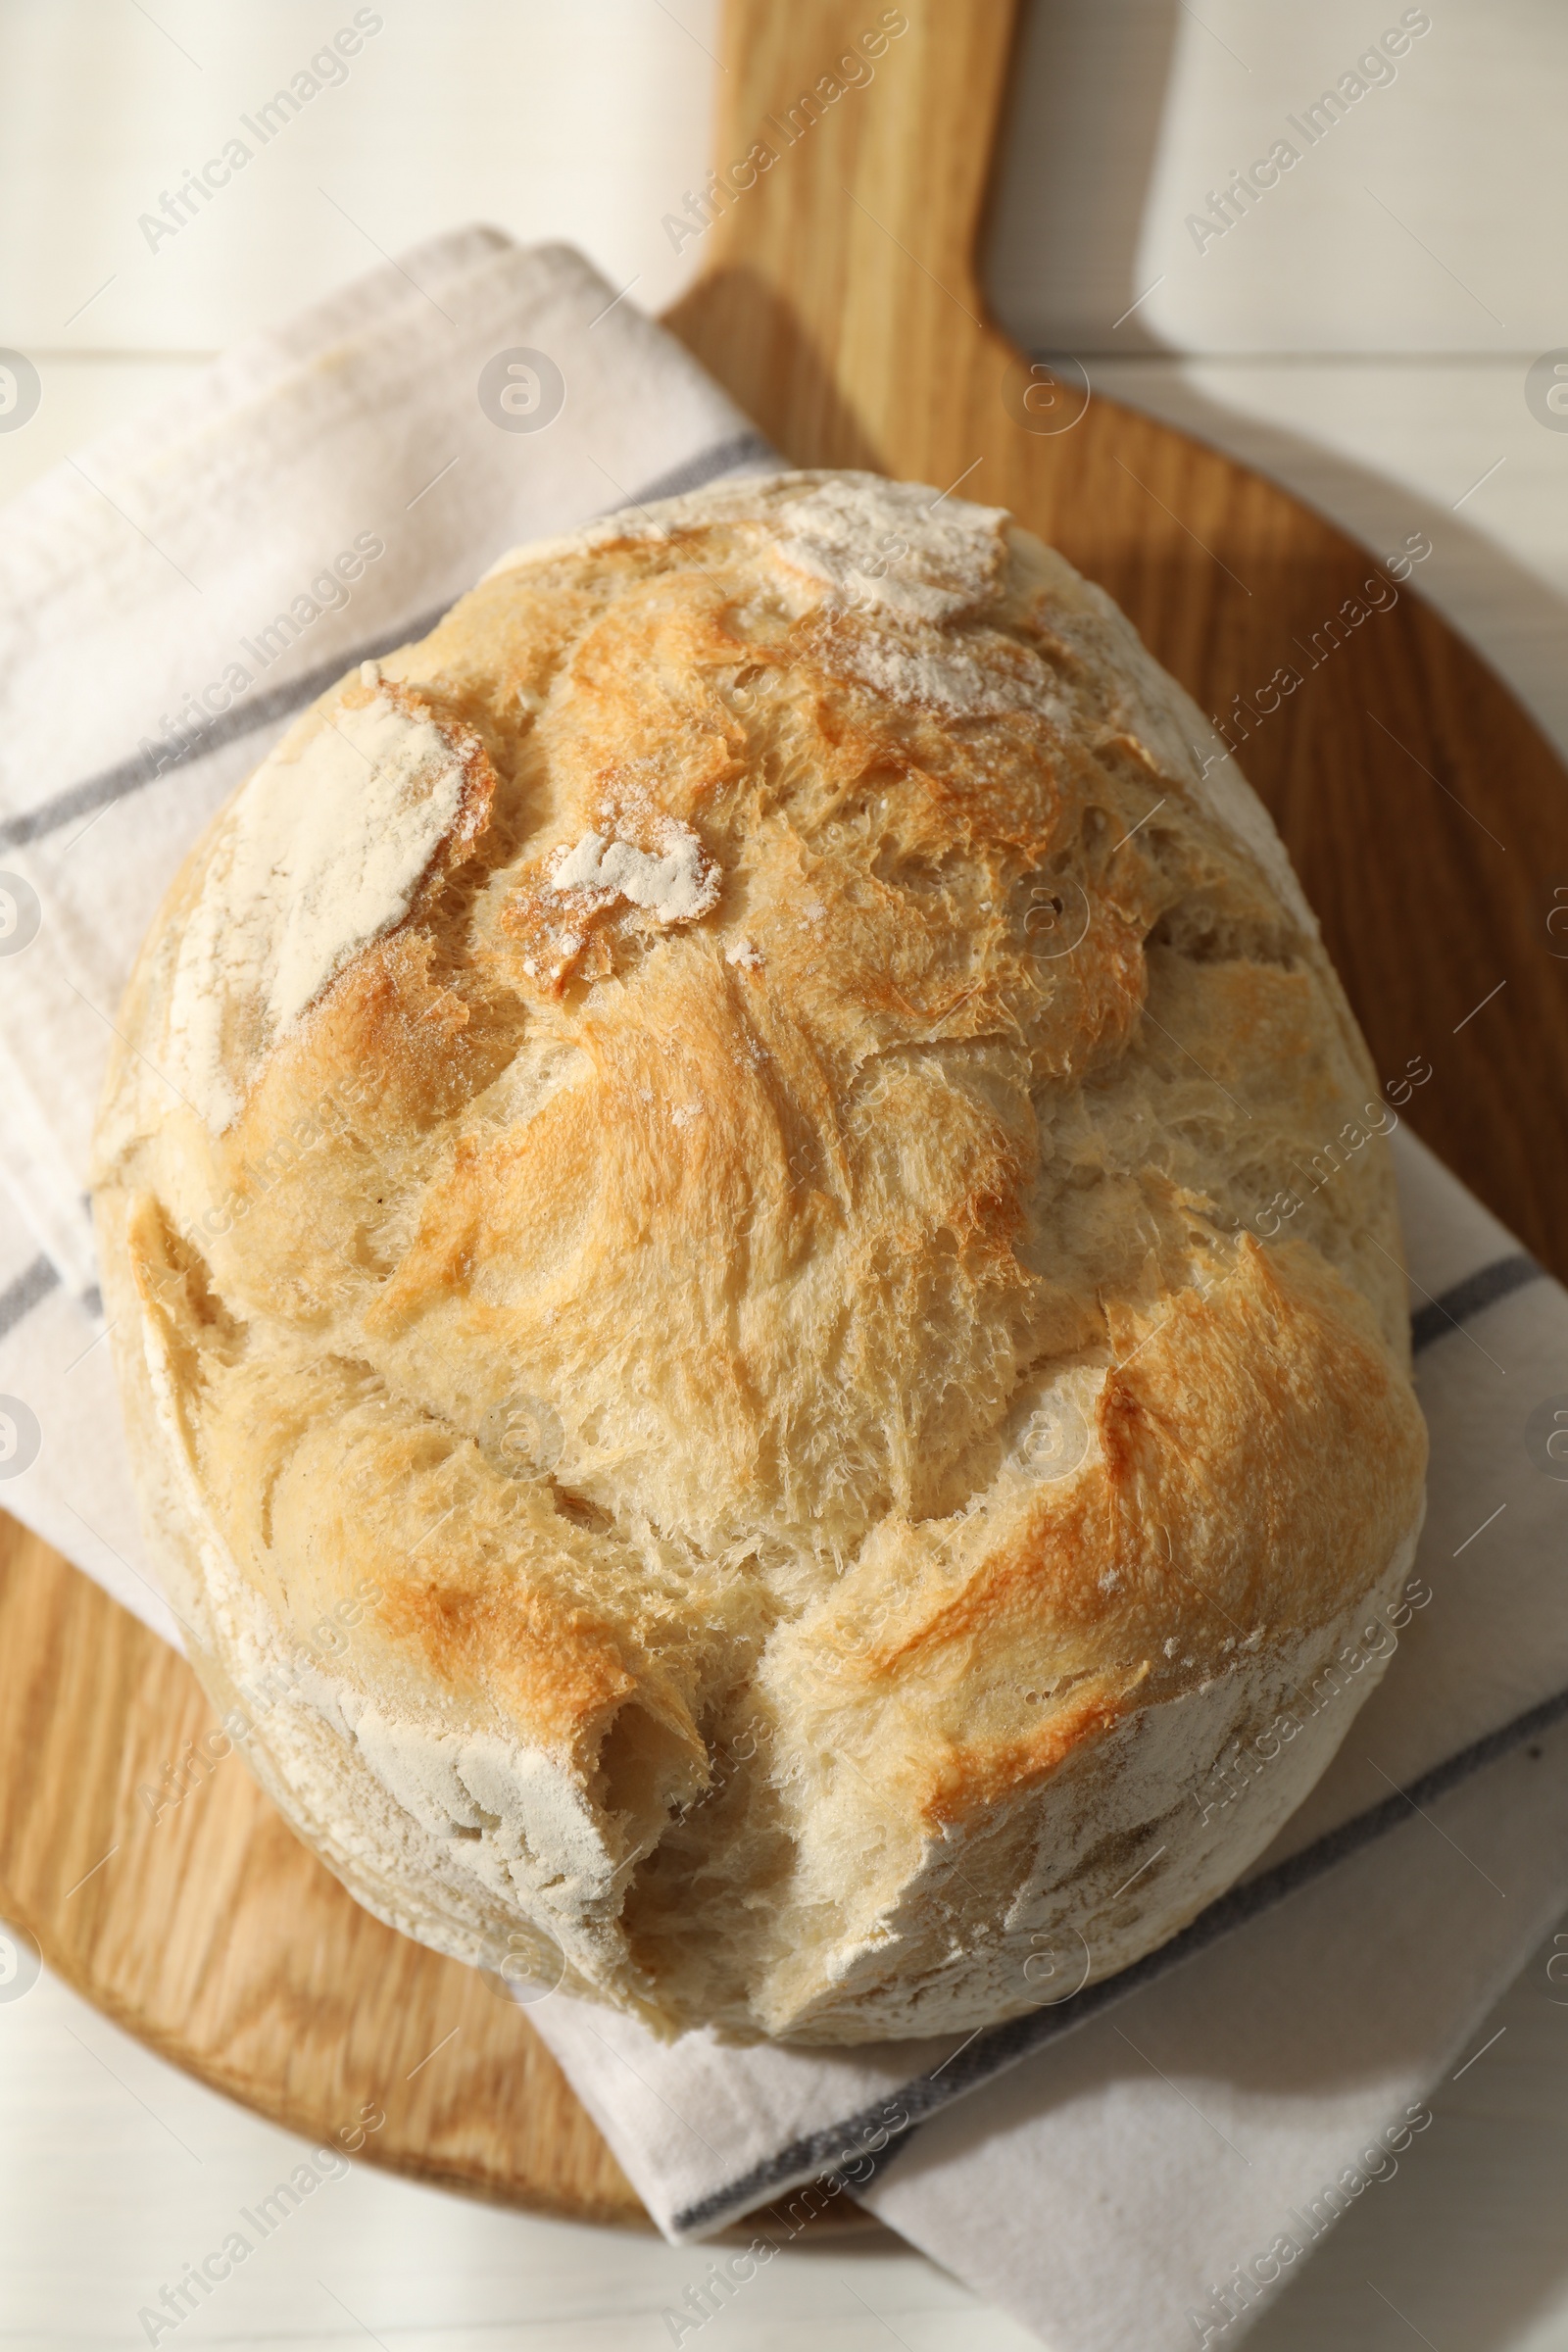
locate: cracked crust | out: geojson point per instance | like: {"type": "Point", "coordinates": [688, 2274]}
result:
{"type": "Point", "coordinates": [716, 1398]}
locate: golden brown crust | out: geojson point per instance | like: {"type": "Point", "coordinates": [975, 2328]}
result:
{"type": "Point", "coordinates": [732, 1175]}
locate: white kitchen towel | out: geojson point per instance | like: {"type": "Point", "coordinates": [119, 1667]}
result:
{"type": "Point", "coordinates": [1146, 2148]}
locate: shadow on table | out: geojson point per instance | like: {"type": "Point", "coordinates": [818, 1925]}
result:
{"type": "Point", "coordinates": [1465, 2246]}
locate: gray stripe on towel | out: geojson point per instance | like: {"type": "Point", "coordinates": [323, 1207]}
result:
{"type": "Point", "coordinates": [747, 453]}
{"type": "Point", "coordinates": [118, 783]}
{"type": "Point", "coordinates": [1456, 1306]}
{"type": "Point", "coordinates": [742, 452]}
{"type": "Point", "coordinates": [20, 1296]}
{"type": "Point", "coordinates": [991, 2055]}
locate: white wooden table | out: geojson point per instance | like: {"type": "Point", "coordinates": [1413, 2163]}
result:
{"type": "Point", "coordinates": [1365, 337]}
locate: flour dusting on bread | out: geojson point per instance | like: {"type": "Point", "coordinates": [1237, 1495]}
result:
{"type": "Point", "coordinates": [327, 845]}
{"type": "Point", "coordinates": [894, 544]}
{"type": "Point", "coordinates": [675, 887]}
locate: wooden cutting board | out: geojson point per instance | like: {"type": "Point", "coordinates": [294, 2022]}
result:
{"type": "Point", "coordinates": [1428, 820]}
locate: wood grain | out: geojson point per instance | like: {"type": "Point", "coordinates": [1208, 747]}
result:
{"type": "Point", "coordinates": [1426, 815]}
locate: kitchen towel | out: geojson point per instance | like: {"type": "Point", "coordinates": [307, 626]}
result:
{"type": "Point", "coordinates": [1145, 2161]}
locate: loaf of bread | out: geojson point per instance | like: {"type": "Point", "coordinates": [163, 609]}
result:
{"type": "Point", "coordinates": [758, 1298]}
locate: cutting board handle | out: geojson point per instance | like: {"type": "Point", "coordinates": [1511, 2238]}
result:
{"type": "Point", "coordinates": [853, 151]}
